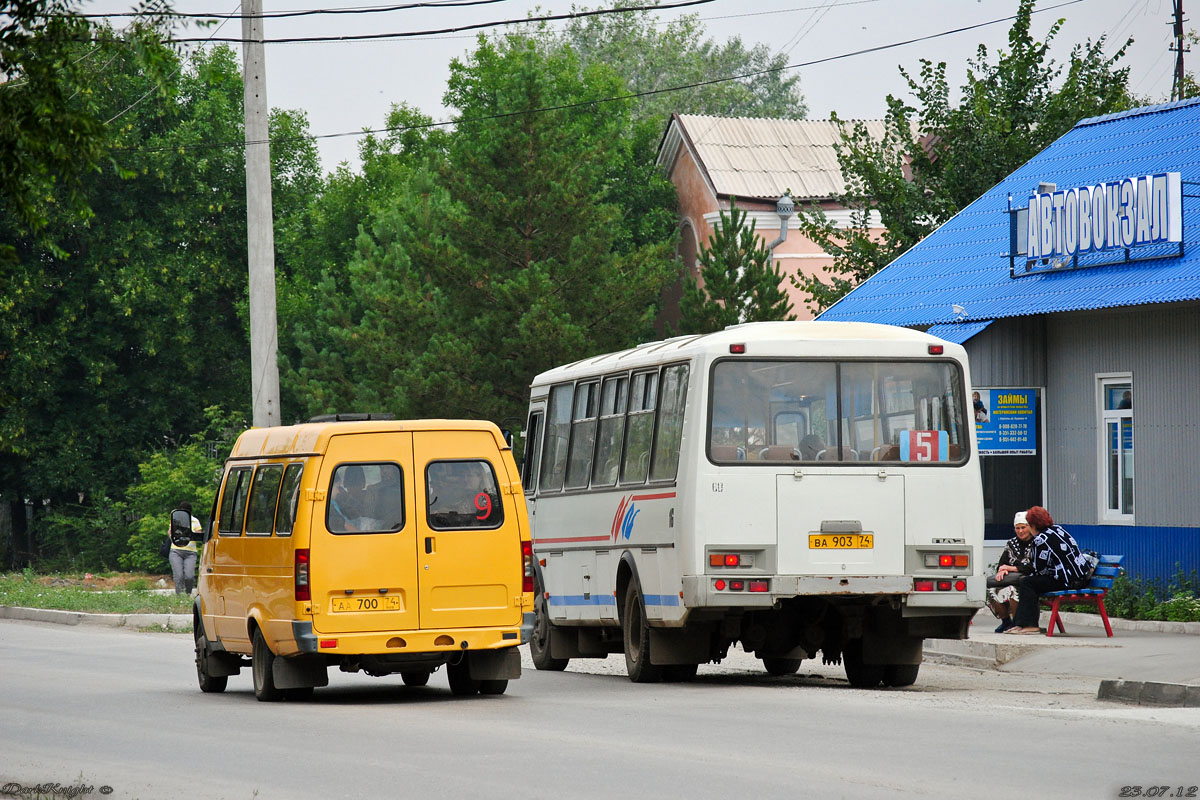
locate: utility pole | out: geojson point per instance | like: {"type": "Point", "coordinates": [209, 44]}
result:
{"type": "Point", "coordinates": [260, 234]}
{"type": "Point", "coordinates": [1178, 47]}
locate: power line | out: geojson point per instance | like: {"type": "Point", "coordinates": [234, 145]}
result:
{"type": "Point", "coordinates": [303, 13]}
{"type": "Point", "coordinates": [457, 29]}
{"type": "Point", "coordinates": [600, 100]}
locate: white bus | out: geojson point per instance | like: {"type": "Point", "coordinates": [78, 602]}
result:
{"type": "Point", "coordinates": [794, 487]}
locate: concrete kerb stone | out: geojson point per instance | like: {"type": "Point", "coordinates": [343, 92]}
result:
{"type": "Point", "coordinates": [170, 622]}
{"type": "Point", "coordinates": [1150, 693]}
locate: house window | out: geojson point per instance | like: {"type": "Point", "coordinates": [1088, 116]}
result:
{"type": "Point", "coordinates": [1115, 409]}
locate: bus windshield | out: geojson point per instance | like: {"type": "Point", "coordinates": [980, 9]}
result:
{"type": "Point", "coordinates": [840, 411]}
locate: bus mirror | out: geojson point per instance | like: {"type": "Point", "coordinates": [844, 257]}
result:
{"type": "Point", "coordinates": [508, 436]}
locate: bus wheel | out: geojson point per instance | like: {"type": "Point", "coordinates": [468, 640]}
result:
{"type": "Point", "coordinates": [459, 675]}
{"type": "Point", "coordinates": [418, 677]}
{"type": "Point", "coordinates": [208, 683]}
{"type": "Point", "coordinates": [860, 675]}
{"type": "Point", "coordinates": [637, 639]}
{"type": "Point", "coordinates": [539, 642]}
{"type": "Point", "coordinates": [900, 674]}
{"type": "Point", "coordinates": [263, 664]}
{"type": "Point", "coordinates": [679, 673]}
{"type": "Point", "coordinates": [781, 666]}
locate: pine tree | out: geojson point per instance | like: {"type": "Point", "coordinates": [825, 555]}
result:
{"type": "Point", "coordinates": [740, 282]}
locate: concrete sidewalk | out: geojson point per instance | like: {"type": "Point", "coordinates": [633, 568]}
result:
{"type": "Point", "coordinates": [1150, 663]}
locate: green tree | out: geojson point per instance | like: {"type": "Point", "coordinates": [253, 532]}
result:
{"type": "Point", "coordinates": [171, 475]}
{"type": "Point", "coordinates": [1009, 111]}
{"type": "Point", "coordinates": [653, 58]}
{"type": "Point", "coordinates": [51, 132]}
{"type": "Point", "coordinates": [740, 283]}
{"type": "Point", "coordinates": [117, 339]}
{"type": "Point", "coordinates": [510, 255]}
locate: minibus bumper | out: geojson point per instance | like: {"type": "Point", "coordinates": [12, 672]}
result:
{"type": "Point", "coordinates": [418, 641]}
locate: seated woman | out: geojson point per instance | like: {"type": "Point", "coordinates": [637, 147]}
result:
{"type": "Point", "coordinates": [1058, 564]}
{"type": "Point", "coordinates": [1015, 562]}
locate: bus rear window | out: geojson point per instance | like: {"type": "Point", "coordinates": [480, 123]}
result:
{"type": "Point", "coordinates": [784, 411]}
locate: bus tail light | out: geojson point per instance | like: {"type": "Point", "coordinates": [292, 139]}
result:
{"type": "Point", "coordinates": [921, 585]}
{"type": "Point", "coordinates": [527, 560]}
{"type": "Point", "coordinates": [303, 593]}
{"type": "Point", "coordinates": [959, 560]}
{"type": "Point", "coordinates": [760, 586]}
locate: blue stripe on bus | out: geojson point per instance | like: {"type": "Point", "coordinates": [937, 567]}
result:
{"type": "Point", "coordinates": [580, 600]}
{"type": "Point", "coordinates": [608, 600]}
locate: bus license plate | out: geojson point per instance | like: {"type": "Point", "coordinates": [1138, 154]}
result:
{"type": "Point", "coordinates": [383, 603]}
{"type": "Point", "coordinates": [841, 541]}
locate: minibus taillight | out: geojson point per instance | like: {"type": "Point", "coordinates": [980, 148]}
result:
{"type": "Point", "coordinates": [527, 558]}
{"type": "Point", "coordinates": [302, 590]}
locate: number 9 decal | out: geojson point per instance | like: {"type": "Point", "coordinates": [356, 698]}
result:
{"type": "Point", "coordinates": [483, 504]}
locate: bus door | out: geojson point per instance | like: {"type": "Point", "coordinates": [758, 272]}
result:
{"type": "Point", "coordinates": [468, 532]}
{"type": "Point", "coordinates": [363, 548]}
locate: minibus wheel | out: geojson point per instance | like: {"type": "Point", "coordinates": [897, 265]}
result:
{"type": "Point", "coordinates": [208, 683]}
{"type": "Point", "coordinates": [263, 664]}
{"type": "Point", "coordinates": [415, 677]}
{"type": "Point", "coordinates": [459, 675]}
{"type": "Point", "coordinates": [636, 634]}
{"type": "Point", "coordinates": [781, 666]}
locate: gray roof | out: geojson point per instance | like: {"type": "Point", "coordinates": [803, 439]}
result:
{"type": "Point", "coordinates": [760, 158]}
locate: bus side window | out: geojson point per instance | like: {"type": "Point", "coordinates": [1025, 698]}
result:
{"type": "Point", "coordinates": [670, 423]}
{"type": "Point", "coordinates": [558, 430]}
{"type": "Point", "coordinates": [639, 427]}
{"type": "Point", "coordinates": [532, 458]}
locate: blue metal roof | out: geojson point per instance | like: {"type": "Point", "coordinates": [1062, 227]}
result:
{"type": "Point", "coordinates": [961, 270]}
{"type": "Point", "coordinates": [958, 332]}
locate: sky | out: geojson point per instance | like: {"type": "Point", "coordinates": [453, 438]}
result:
{"type": "Point", "coordinates": [347, 86]}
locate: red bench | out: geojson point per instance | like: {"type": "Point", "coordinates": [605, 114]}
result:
{"type": "Point", "coordinates": [1093, 594]}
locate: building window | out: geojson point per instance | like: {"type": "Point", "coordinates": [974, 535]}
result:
{"type": "Point", "coordinates": [1115, 409]}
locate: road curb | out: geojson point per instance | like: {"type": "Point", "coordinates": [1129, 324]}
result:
{"type": "Point", "coordinates": [1149, 693]}
{"type": "Point", "coordinates": [167, 622]}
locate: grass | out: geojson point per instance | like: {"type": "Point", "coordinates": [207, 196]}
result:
{"type": "Point", "coordinates": [103, 594]}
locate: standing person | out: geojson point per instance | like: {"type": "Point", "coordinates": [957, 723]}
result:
{"type": "Point", "coordinates": [1057, 564]}
{"type": "Point", "coordinates": [184, 531]}
{"type": "Point", "coordinates": [1015, 563]}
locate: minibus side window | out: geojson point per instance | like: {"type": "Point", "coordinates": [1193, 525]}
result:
{"type": "Point", "coordinates": [264, 491]}
{"type": "Point", "coordinates": [233, 501]}
{"type": "Point", "coordinates": [670, 423]}
{"type": "Point", "coordinates": [366, 498]}
{"type": "Point", "coordinates": [462, 495]}
{"type": "Point", "coordinates": [289, 499]}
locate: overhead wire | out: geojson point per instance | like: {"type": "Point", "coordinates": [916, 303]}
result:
{"type": "Point", "coordinates": [603, 100]}
{"type": "Point", "coordinates": [455, 29]}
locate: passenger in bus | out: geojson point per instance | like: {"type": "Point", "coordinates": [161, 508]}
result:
{"type": "Point", "coordinates": [349, 499]}
{"type": "Point", "coordinates": [1015, 563]}
{"type": "Point", "coordinates": [1058, 564]}
{"type": "Point", "coordinates": [810, 446]}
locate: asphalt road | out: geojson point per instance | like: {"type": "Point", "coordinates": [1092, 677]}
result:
{"type": "Point", "coordinates": [88, 707]}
